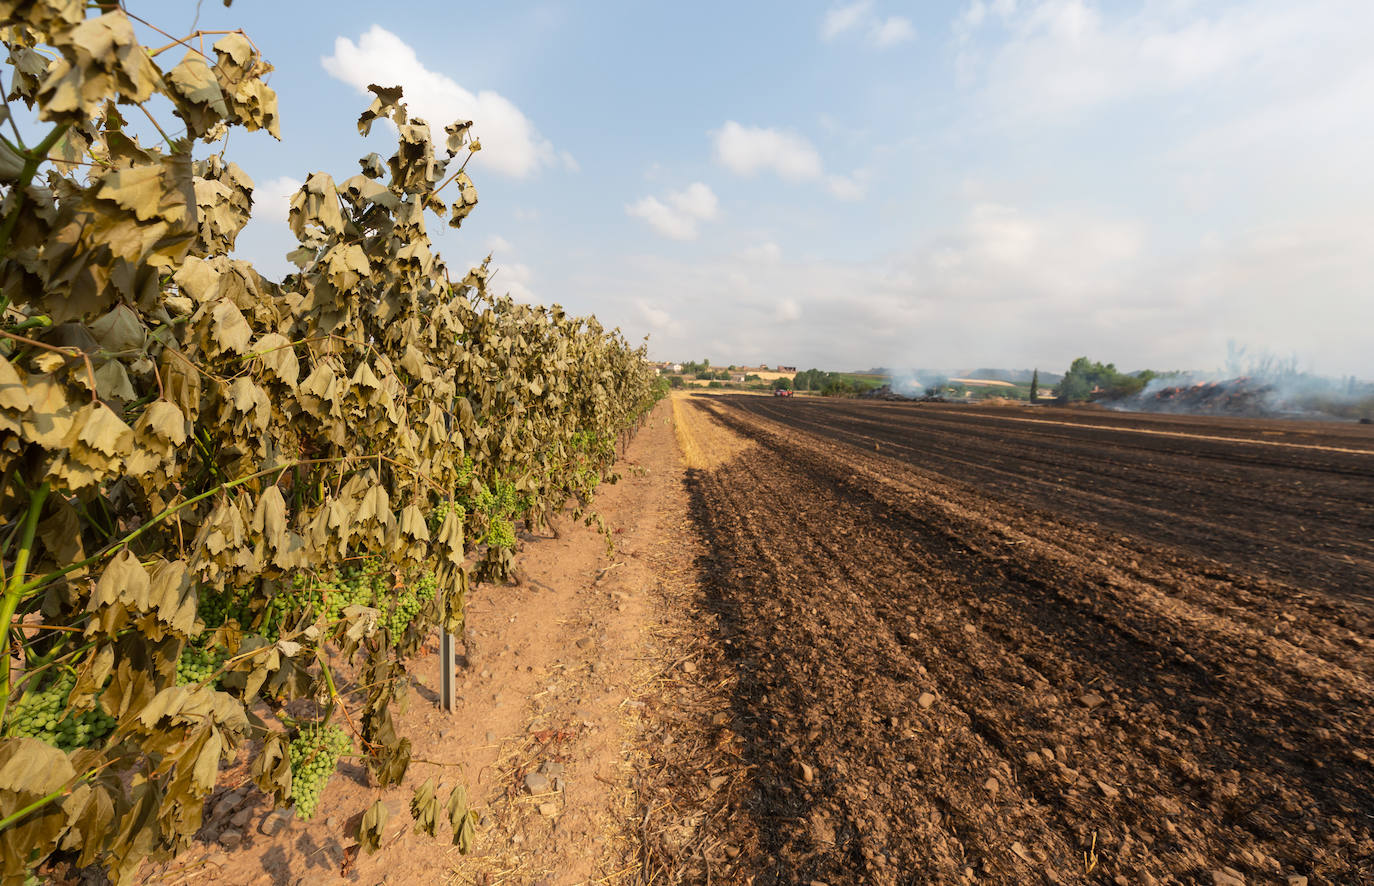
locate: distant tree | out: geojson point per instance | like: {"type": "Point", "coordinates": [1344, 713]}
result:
{"type": "Point", "coordinates": [1086, 379]}
{"type": "Point", "coordinates": [782, 384]}
{"type": "Point", "coordinates": [675, 381]}
{"type": "Point", "coordinates": [1035, 386]}
{"type": "Point", "coordinates": [836, 386]}
{"type": "Point", "coordinates": [810, 380]}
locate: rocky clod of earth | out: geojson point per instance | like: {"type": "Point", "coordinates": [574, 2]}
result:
{"type": "Point", "coordinates": [1090, 700]}
{"type": "Point", "coordinates": [553, 773]}
{"type": "Point", "coordinates": [275, 821]}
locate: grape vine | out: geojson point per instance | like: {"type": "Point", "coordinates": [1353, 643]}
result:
{"type": "Point", "coordinates": [215, 487]}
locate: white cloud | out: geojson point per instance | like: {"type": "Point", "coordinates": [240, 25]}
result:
{"type": "Point", "coordinates": [1013, 287]}
{"type": "Point", "coordinates": [892, 31]}
{"type": "Point", "coordinates": [1003, 284]}
{"type": "Point", "coordinates": [762, 253]}
{"type": "Point", "coordinates": [513, 279]}
{"type": "Point", "coordinates": [679, 216]}
{"type": "Point", "coordinates": [272, 198]}
{"type": "Point", "coordinates": [266, 239]}
{"type": "Point", "coordinates": [849, 188]}
{"type": "Point", "coordinates": [512, 146]}
{"type": "Point", "coordinates": [971, 17]}
{"type": "Point", "coordinates": [697, 201]}
{"type": "Point", "coordinates": [657, 319]}
{"type": "Point", "coordinates": [663, 219]}
{"type": "Point", "coordinates": [497, 244]}
{"type": "Point", "coordinates": [854, 17]}
{"type": "Point", "coordinates": [840, 19]}
{"type": "Point", "coordinates": [1062, 57]}
{"type": "Point", "coordinates": [747, 150]}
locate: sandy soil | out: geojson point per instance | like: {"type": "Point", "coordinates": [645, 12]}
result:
{"type": "Point", "coordinates": [562, 664]}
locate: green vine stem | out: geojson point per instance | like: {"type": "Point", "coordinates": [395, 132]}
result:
{"type": "Point", "coordinates": [29, 588]}
{"type": "Point", "coordinates": [55, 795]}
{"type": "Point", "coordinates": [40, 320]}
{"type": "Point", "coordinates": [14, 590]}
{"type": "Point", "coordinates": [32, 160]}
{"type": "Point", "coordinates": [35, 806]}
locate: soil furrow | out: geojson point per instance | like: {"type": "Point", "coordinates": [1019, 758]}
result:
{"type": "Point", "coordinates": [1251, 515]}
{"type": "Point", "coordinates": [1095, 708]}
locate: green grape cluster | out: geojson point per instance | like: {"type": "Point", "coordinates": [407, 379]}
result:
{"type": "Point", "coordinates": [217, 608]}
{"type": "Point", "coordinates": [409, 602]}
{"type": "Point", "coordinates": [441, 512]}
{"type": "Point", "coordinates": [281, 606]}
{"type": "Point", "coordinates": [465, 472]}
{"type": "Point", "coordinates": [507, 500]}
{"type": "Point", "coordinates": [501, 533]}
{"type": "Point", "coordinates": [485, 502]}
{"type": "Point", "coordinates": [351, 587]}
{"type": "Point", "coordinates": [500, 506]}
{"type": "Point", "coordinates": [310, 598]}
{"type": "Point", "coordinates": [44, 715]}
{"type": "Point", "coordinates": [213, 607]}
{"type": "Point", "coordinates": [198, 664]}
{"type": "Point", "coordinates": [314, 754]}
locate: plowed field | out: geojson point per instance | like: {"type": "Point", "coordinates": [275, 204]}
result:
{"type": "Point", "coordinates": [1069, 649]}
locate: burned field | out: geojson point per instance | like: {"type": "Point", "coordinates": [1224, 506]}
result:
{"type": "Point", "coordinates": [1018, 646]}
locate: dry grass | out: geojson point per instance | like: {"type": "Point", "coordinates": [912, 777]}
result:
{"type": "Point", "coordinates": [704, 442]}
{"type": "Point", "coordinates": [681, 825]}
{"type": "Point", "coordinates": [692, 455]}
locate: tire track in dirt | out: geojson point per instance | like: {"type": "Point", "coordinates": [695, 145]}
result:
{"type": "Point", "coordinates": [1090, 696]}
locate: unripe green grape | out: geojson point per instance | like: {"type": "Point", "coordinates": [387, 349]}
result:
{"type": "Point", "coordinates": [314, 753]}
{"type": "Point", "coordinates": [43, 715]}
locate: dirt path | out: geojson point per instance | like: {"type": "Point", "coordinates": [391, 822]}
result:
{"type": "Point", "coordinates": [565, 667]}
{"type": "Point", "coordinates": [937, 683]}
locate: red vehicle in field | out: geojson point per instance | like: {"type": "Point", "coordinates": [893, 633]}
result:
{"type": "Point", "coordinates": [781, 392]}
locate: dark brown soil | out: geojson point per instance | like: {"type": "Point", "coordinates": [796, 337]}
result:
{"type": "Point", "coordinates": [1284, 499]}
{"type": "Point", "coordinates": [1147, 657]}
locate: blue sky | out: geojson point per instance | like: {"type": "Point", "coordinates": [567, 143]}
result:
{"type": "Point", "coordinates": [984, 182]}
